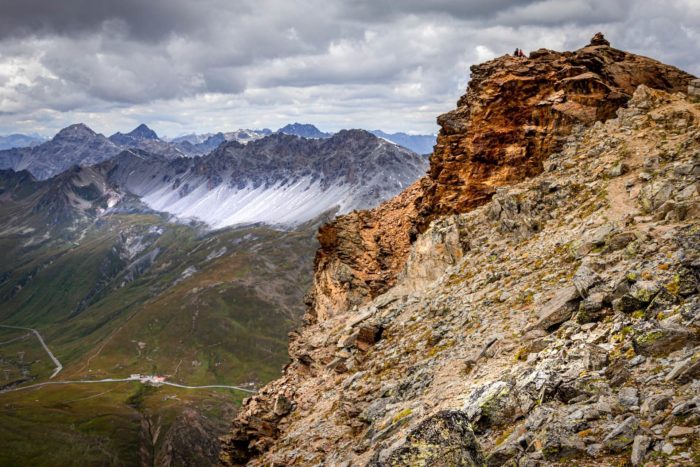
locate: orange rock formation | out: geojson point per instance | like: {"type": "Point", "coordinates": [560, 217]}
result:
{"type": "Point", "coordinates": [515, 113]}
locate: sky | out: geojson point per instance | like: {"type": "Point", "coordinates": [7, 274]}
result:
{"type": "Point", "coordinates": [200, 66]}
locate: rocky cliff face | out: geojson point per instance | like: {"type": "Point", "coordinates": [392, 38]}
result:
{"type": "Point", "coordinates": [547, 312]}
{"type": "Point", "coordinates": [515, 113]}
{"type": "Point", "coordinates": [281, 179]}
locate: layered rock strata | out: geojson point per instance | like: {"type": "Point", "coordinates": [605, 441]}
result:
{"type": "Point", "coordinates": [515, 113]}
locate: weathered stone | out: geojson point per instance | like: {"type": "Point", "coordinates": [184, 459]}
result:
{"type": "Point", "coordinates": [685, 407]}
{"type": "Point", "coordinates": [694, 90]}
{"type": "Point", "coordinates": [491, 405]}
{"type": "Point", "coordinates": [504, 453]}
{"type": "Point", "coordinates": [347, 340]}
{"type": "Point", "coordinates": [600, 235]}
{"type": "Point", "coordinates": [368, 335]}
{"type": "Point", "coordinates": [621, 288]}
{"type": "Point", "coordinates": [559, 309]}
{"type": "Point", "coordinates": [662, 340]}
{"type": "Point", "coordinates": [584, 279]}
{"type": "Point", "coordinates": [636, 360]}
{"type": "Point", "coordinates": [594, 302]}
{"type": "Point", "coordinates": [678, 431]}
{"type": "Point", "coordinates": [654, 403]}
{"type": "Point", "coordinates": [444, 439]}
{"type": "Point", "coordinates": [594, 357]}
{"type": "Point", "coordinates": [594, 450]}
{"type": "Point", "coordinates": [639, 449]}
{"type": "Point", "coordinates": [618, 169]}
{"type": "Point", "coordinates": [662, 301]}
{"type": "Point", "coordinates": [617, 373]}
{"type": "Point", "coordinates": [621, 240]}
{"type": "Point", "coordinates": [628, 396]}
{"type": "Point", "coordinates": [282, 405]}
{"type": "Point", "coordinates": [556, 443]}
{"type": "Point", "coordinates": [627, 304]}
{"type": "Point", "coordinates": [685, 281]}
{"type": "Point", "coordinates": [594, 307]}
{"type": "Point", "coordinates": [685, 370]}
{"type": "Point", "coordinates": [599, 40]}
{"type": "Point", "coordinates": [622, 435]}
{"type": "Point", "coordinates": [375, 410]}
{"type": "Point", "coordinates": [644, 291]}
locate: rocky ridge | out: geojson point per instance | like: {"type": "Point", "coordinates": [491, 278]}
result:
{"type": "Point", "coordinates": [515, 113]}
{"type": "Point", "coordinates": [75, 144]}
{"type": "Point", "coordinates": [279, 180]}
{"type": "Point", "coordinates": [558, 320]}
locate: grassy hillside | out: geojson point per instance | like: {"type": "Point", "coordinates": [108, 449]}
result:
{"type": "Point", "coordinates": [134, 293]}
{"type": "Point", "coordinates": [113, 424]}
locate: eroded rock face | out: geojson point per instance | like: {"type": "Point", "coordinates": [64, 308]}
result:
{"type": "Point", "coordinates": [515, 113]}
{"type": "Point", "coordinates": [358, 256]}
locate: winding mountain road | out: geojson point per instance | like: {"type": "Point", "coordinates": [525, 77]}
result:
{"type": "Point", "coordinates": [145, 379]}
{"type": "Point", "coordinates": [58, 365]}
{"type": "Point", "coordinates": [120, 380]}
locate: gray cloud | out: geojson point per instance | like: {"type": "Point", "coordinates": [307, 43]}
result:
{"type": "Point", "coordinates": [150, 20]}
{"type": "Point", "coordinates": [186, 65]}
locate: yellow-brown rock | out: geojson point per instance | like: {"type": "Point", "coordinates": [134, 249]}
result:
{"type": "Point", "coordinates": [515, 113]}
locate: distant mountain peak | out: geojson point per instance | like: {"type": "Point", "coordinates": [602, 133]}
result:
{"type": "Point", "coordinates": [305, 130]}
{"type": "Point", "coordinates": [421, 144]}
{"type": "Point", "coordinates": [143, 132]}
{"type": "Point", "coordinates": [79, 130]}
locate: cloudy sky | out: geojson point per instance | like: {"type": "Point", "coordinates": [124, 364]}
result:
{"type": "Point", "coordinates": [212, 65]}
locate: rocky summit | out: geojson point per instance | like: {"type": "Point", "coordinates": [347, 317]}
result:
{"type": "Point", "coordinates": [533, 301]}
{"type": "Point", "coordinates": [515, 113]}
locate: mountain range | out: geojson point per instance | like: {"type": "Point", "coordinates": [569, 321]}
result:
{"type": "Point", "coordinates": [420, 144]}
{"type": "Point", "coordinates": [19, 141]}
{"type": "Point", "coordinates": [142, 261]}
{"type": "Point", "coordinates": [279, 180]}
{"type": "Point", "coordinates": [80, 145]}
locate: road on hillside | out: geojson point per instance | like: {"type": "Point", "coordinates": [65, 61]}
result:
{"type": "Point", "coordinates": [120, 380]}
{"type": "Point", "coordinates": [58, 365]}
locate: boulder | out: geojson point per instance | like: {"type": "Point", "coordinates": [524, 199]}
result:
{"type": "Point", "coordinates": [662, 340]}
{"type": "Point", "coordinates": [622, 435]}
{"type": "Point", "coordinates": [444, 439]}
{"type": "Point", "coordinates": [558, 309]}
{"type": "Point", "coordinates": [685, 370]}
{"type": "Point", "coordinates": [628, 396]}
{"type": "Point", "coordinates": [639, 449]}
{"type": "Point", "coordinates": [556, 443]}
{"type": "Point", "coordinates": [694, 90]}
{"type": "Point", "coordinates": [493, 404]}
